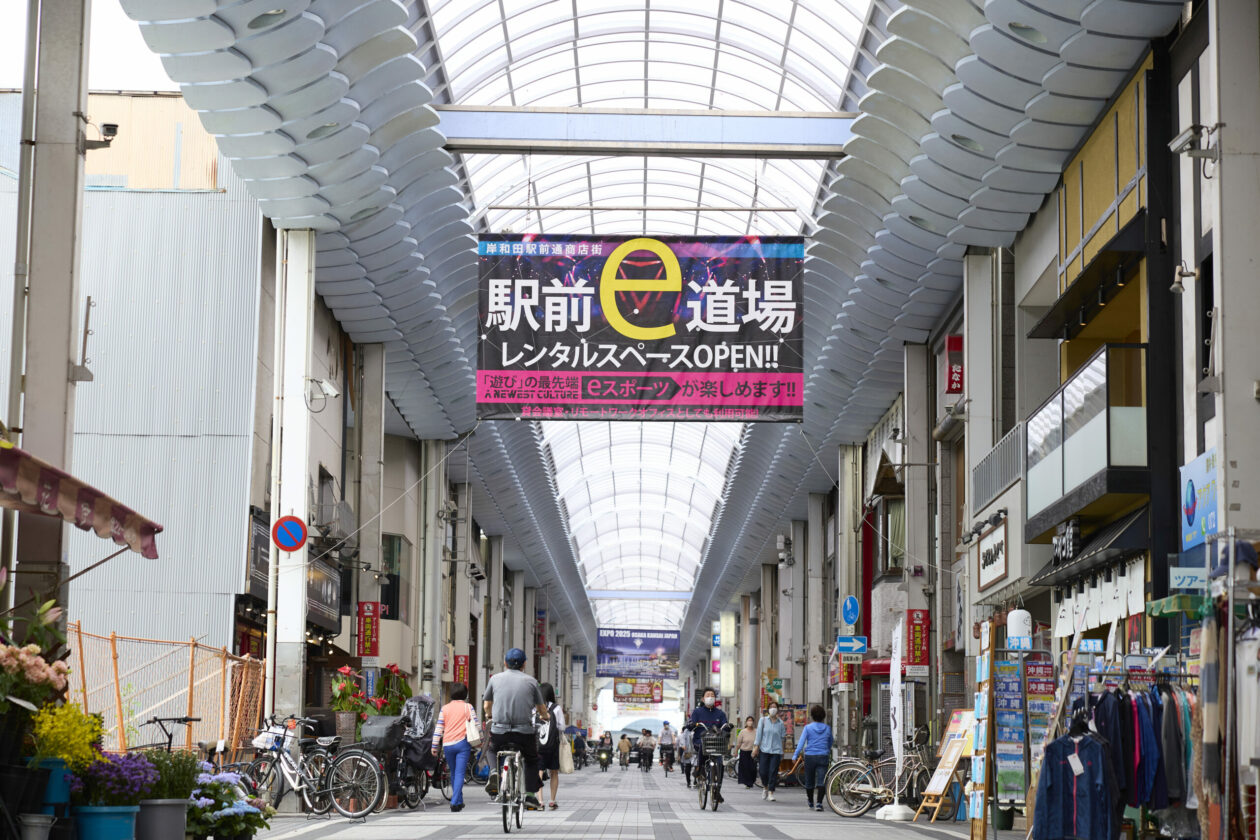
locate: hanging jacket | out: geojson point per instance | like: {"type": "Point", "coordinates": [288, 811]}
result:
{"type": "Point", "coordinates": [1158, 799]}
{"type": "Point", "coordinates": [1070, 805]}
{"type": "Point", "coordinates": [1170, 742]}
{"type": "Point", "coordinates": [1108, 722]}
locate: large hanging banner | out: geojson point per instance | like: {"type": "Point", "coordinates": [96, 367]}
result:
{"type": "Point", "coordinates": [669, 328]}
{"type": "Point", "coordinates": [651, 654]}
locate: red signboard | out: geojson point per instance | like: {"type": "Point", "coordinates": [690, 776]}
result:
{"type": "Point", "coordinates": [917, 624]}
{"type": "Point", "coordinates": [461, 668]}
{"type": "Point", "coordinates": [638, 690]}
{"type": "Point", "coordinates": [369, 629]}
{"type": "Point", "coordinates": [953, 364]}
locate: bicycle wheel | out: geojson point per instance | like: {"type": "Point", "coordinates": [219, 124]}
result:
{"type": "Point", "coordinates": [917, 782]}
{"type": "Point", "coordinates": [355, 783]}
{"type": "Point", "coordinates": [411, 790]}
{"type": "Point", "coordinates": [848, 790]}
{"type": "Point", "coordinates": [949, 805]}
{"type": "Point", "coordinates": [314, 766]}
{"type": "Point", "coordinates": [715, 779]}
{"type": "Point", "coordinates": [520, 809]}
{"type": "Point", "coordinates": [444, 780]}
{"type": "Point", "coordinates": [267, 779]}
{"type": "Point", "coordinates": [702, 788]}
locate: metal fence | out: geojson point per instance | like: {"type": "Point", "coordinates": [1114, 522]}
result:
{"type": "Point", "coordinates": [129, 680]}
{"type": "Point", "coordinates": [1002, 467]}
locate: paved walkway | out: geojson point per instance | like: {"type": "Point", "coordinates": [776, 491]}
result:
{"type": "Point", "coordinates": [617, 805]}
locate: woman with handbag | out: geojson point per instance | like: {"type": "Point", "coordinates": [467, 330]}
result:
{"type": "Point", "coordinates": [549, 748]}
{"type": "Point", "coordinates": [457, 731]}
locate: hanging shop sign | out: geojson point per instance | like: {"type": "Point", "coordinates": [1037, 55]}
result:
{"type": "Point", "coordinates": [323, 594]}
{"type": "Point", "coordinates": [1198, 500]}
{"type": "Point", "coordinates": [461, 668]}
{"type": "Point", "coordinates": [652, 654]}
{"type": "Point", "coordinates": [918, 622]}
{"type": "Point", "coordinates": [369, 636]}
{"type": "Point", "coordinates": [636, 690]}
{"type": "Point", "coordinates": [670, 328]}
{"type": "Point", "coordinates": [991, 558]}
{"type": "Point", "coordinates": [953, 364]}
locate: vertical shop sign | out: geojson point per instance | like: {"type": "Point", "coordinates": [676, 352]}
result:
{"type": "Point", "coordinates": [540, 632]}
{"type": "Point", "coordinates": [1198, 500]}
{"type": "Point", "coordinates": [641, 328]}
{"type": "Point", "coordinates": [1008, 738]}
{"type": "Point", "coordinates": [953, 364]}
{"type": "Point", "coordinates": [461, 668]}
{"type": "Point", "coordinates": [918, 622]}
{"type": "Point", "coordinates": [1040, 694]}
{"type": "Point", "coordinates": [369, 629]}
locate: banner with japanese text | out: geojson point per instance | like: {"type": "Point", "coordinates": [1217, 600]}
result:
{"type": "Point", "coordinates": [651, 654]}
{"type": "Point", "coordinates": [669, 328]}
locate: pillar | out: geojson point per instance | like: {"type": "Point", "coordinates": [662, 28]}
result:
{"type": "Point", "coordinates": [792, 618]}
{"type": "Point", "coordinates": [496, 615]}
{"type": "Point", "coordinates": [748, 670]}
{"type": "Point", "coordinates": [295, 278]}
{"type": "Point", "coordinates": [431, 563]}
{"type": "Point", "coordinates": [52, 301]}
{"type": "Point", "coordinates": [517, 625]}
{"type": "Point", "coordinates": [767, 622]}
{"type": "Point", "coordinates": [815, 601]}
{"type": "Point", "coordinates": [848, 524]}
{"type": "Point", "coordinates": [528, 625]}
{"type": "Point", "coordinates": [1236, 75]}
{"type": "Point", "coordinates": [465, 553]}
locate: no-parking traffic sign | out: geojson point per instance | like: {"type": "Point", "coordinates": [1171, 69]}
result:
{"type": "Point", "coordinates": [289, 533]}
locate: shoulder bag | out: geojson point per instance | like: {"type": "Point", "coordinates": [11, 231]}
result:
{"type": "Point", "coordinates": [472, 732]}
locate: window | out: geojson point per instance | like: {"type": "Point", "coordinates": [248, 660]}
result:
{"type": "Point", "coordinates": [396, 580]}
{"type": "Point", "coordinates": [889, 517]}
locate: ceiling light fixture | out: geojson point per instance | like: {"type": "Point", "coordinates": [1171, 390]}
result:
{"type": "Point", "coordinates": [268, 18]}
{"type": "Point", "coordinates": [1028, 33]}
{"type": "Point", "coordinates": [322, 130]}
{"type": "Point", "coordinates": [1081, 318]}
{"type": "Point", "coordinates": [967, 143]}
{"type": "Point", "coordinates": [1102, 297]}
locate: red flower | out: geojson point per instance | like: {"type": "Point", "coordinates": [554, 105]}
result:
{"type": "Point", "coordinates": [358, 695]}
{"type": "Point", "coordinates": [341, 686]}
{"type": "Point", "coordinates": [345, 670]}
{"type": "Point", "coordinates": [362, 715]}
{"type": "Point", "coordinates": [379, 702]}
{"type": "Point", "coordinates": [394, 669]}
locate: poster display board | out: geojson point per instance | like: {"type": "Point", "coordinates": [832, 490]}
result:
{"type": "Point", "coordinates": [651, 654]}
{"type": "Point", "coordinates": [982, 752]}
{"type": "Point", "coordinates": [668, 328]}
{"type": "Point", "coordinates": [638, 690]}
{"type": "Point", "coordinates": [1010, 730]}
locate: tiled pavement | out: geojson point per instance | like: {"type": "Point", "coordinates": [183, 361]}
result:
{"type": "Point", "coordinates": [617, 805]}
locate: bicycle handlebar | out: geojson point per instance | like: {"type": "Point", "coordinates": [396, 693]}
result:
{"type": "Point", "coordinates": [184, 720]}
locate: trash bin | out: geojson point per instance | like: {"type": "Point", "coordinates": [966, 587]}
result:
{"type": "Point", "coordinates": [1004, 819]}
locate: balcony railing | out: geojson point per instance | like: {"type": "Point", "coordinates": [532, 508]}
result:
{"type": "Point", "coordinates": [1095, 421]}
{"type": "Point", "coordinates": [1002, 467]}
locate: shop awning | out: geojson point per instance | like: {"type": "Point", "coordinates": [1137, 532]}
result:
{"type": "Point", "coordinates": [1195, 606]}
{"type": "Point", "coordinates": [1123, 538]}
{"type": "Point", "coordinates": [30, 485]}
{"type": "Point", "coordinates": [879, 668]}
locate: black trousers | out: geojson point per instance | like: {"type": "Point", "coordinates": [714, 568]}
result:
{"type": "Point", "coordinates": [527, 743]}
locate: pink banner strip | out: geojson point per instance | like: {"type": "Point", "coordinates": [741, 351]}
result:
{"type": "Point", "coordinates": [641, 389]}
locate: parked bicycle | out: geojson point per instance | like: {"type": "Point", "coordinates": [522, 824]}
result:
{"type": "Point", "coordinates": [854, 785]}
{"type": "Point", "coordinates": [167, 733]}
{"type": "Point", "coordinates": [350, 782]}
{"type": "Point", "coordinates": [511, 788]}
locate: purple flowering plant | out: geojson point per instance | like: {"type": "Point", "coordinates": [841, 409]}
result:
{"type": "Point", "coordinates": [114, 780]}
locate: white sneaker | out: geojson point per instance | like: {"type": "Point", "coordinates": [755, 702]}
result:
{"type": "Point", "coordinates": [770, 795]}
{"type": "Point", "coordinates": [764, 794]}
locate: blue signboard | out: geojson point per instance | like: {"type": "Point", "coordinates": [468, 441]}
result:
{"type": "Point", "coordinates": [1198, 500]}
{"type": "Point", "coordinates": [850, 611]}
{"type": "Point", "coordinates": [652, 654]}
{"type": "Point", "coordinates": [851, 644]}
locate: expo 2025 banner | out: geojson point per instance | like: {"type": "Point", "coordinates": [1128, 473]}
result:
{"type": "Point", "coordinates": [650, 654]}
{"type": "Point", "coordinates": [669, 328]}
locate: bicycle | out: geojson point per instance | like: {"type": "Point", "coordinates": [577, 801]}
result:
{"type": "Point", "coordinates": [709, 773]}
{"type": "Point", "coordinates": [169, 734]}
{"type": "Point", "coordinates": [352, 782]}
{"type": "Point", "coordinates": [854, 786]}
{"type": "Point", "coordinates": [511, 787]}
{"type": "Point", "coordinates": [667, 760]}
{"type": "Point", "coordinates": [645, 760]}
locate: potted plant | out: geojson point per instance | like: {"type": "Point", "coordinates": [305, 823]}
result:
{"type": "Point", "coordinates": [107, 795]}
{"type": "Point", "coordinates": [66, 741]}
{"type": "Point", "coordinates": [32, 674]}
{"type": "Point", "coordinates": [220, 807]}
{"type": "Point", "coordinates": [164, 814]}
{"type": "Point", "coordinates": [347, 702]}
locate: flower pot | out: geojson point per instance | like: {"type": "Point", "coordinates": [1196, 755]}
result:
{"type": "Point", "coordinates": [104, 822]}
{"type": "Point", "coordinates": [161, 819]}
{"type": "Point", "coordinates": [57, 789]}
{"type": "Point", "coordinates": [36, 826]}
{"type": "Point", "coordinates": [22, 787]}
{"type": "Point", "coordinates": [346, 723]}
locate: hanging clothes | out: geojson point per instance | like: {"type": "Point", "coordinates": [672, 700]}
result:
{"type": "Point", "coordinates": [1209, 700]}
{"type": "Point", "coordinates": [1075, 791]}
{"type": "Point", "coordinates": [1247, 657]}
{"type": "Point", "coordinates": [1171, 743]}
{"type": "Point", "coordinates": [1158, 797]}
{"type": "Point", "coordinates": [1108, 722]}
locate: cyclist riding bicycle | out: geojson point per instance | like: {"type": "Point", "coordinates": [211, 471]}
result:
{"type": "Point", "coordinates": [512, 700]}
{"type": "Point", "coordinates": [713, 718]}
{"type": "Point", "coordinates": [667, 742]}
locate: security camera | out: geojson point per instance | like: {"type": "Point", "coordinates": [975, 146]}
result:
{"type": "Point", "coordinates": [1186, 140]}
{"type": "Point", "coordinates": [327, 388]}
{"type": "Point", "coordinates": [109, 130]}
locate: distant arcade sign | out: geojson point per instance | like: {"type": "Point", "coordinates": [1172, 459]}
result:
{"type": "Point", "coordinates": [640, 328]}
{"type": "Point", "coordinates": [289, 533]}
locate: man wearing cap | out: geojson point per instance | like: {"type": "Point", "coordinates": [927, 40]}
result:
{"type": "Point", "coordinates": [511, 702]}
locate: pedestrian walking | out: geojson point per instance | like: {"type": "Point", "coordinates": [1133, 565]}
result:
{"type": "Point", "coordinates": [549, 753]}
{"type": "Point", "coordinates": [815, 743]}
{"type": "Point", "coordinates": [744, 743]}
{"type": "Point", "coordinates": [450, 735]}
{"type": "Point", "coordinates": [686, 741]}
{"type": "Point", "coordinates": [768, 750]}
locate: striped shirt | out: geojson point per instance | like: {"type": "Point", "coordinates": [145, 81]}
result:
{"type": "Point", "coordinates": [454, 716]}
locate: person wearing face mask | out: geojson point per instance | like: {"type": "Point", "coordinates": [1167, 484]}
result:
{"type": "Point", "coordinates": [713, 718]}
{"type": "Point", "coordinates": [747, 766]}
{"type": "Point", "coordinates": [768, 750]}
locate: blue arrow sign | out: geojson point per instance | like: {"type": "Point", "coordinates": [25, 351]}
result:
{"type": "Point", "coordinates": [851, 644]}
{"type": "Point", "coordinates": [851, 610]}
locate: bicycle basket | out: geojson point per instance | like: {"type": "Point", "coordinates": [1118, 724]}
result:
{"type": "Point", "coordinates": [272, 736]}
{"type": "Point", "coordinates": [417, 754]}
{"type": "Point", "coordinates": [715, 742]}
{"type": "Point", "coordinates": [382, 733]}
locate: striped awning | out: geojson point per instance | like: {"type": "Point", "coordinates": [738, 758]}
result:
{"type": "Point", "coordinates": [30, 485]}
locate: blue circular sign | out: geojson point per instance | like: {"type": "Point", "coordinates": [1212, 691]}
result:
{"type": "Point", "coordinates": [289, 533]}
{"type": "Point", "coordinates": [850, 611]}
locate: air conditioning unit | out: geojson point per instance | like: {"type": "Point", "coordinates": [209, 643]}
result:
{"type": "Point", "coordinates": [335, 521]}
{"type": "Point", "coordinates": [475, 572]}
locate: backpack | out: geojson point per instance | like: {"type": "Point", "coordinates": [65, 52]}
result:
{"type": "Point", "coordinates": [549, 732]}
